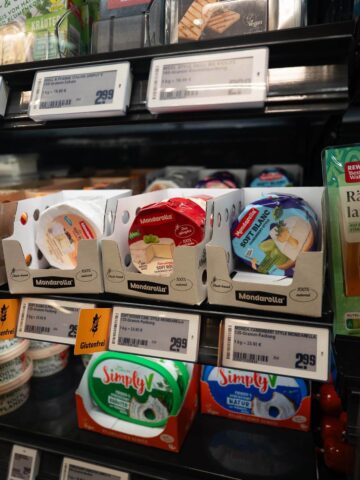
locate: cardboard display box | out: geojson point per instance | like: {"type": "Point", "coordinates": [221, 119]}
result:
{"type": "Point", "coordinates": [186, 284]}
{"type": "Point", "coordinates": [300, 295]}
{"type": "Point", "coordinates": [20, 247]}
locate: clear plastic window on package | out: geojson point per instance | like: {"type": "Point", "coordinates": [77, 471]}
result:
{"type": "Point", "coordinates": [127, 27]}
{"type": "Point", "coordinates": [193, 20]}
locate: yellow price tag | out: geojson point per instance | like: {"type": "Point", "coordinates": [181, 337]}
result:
{"type": "Point", "coordinates": [9, 312]}
{"type": "Point", "coordinates": [93, 330]}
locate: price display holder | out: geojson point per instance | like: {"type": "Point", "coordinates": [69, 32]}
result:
{"type": "Point", "coordinates": [101, 91]}
{"type": "Point", "coordinates": [236, 79]}
{"type": "Point", "coordinates": [49, 320]}
{"type": "Point", "coordinates": [289, 350]}
{"type": "Point", "coordinates": [4, 93]}
{"type": "Point", "coordinates": [155, 333]}
{"type": "Point", "coordinates": [77, 470]}
{"type": "Point", "coordinates": [24, 463]}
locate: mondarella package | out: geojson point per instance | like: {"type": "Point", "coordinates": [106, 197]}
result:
{"type": "Point", "coordinates": [256, 397]}
{"type": "Point", "coordinates": [271, 232]}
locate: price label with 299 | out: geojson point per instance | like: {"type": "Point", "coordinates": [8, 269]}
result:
{"type": "Point", "coordinates": [290, 350]}
{"type": "Point", "coordinates": [156, 333]}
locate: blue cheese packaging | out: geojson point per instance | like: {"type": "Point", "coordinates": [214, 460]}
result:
{"type": "Point", "coordinates": [272, 177]}
{"type": "Point", "coordinates": [271, 232]}
{"type": "Point", "coordinates": [256, 397]}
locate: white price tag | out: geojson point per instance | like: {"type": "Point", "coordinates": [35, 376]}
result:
{"type": "Point", "coordinates": [4, 93]}
{"type": "Point", "coordinates": [24, 463]}
{"type": "Point", "coordinates": [49, 320]}
{"type": "Point", "coordinates": [155, 333]}
{"type": "Point", "coordinates": [100, 91]}
{"type": "Point", "coordinates": [76, 470]}
{"type": "Point", "coordinates": [290, 350]}
{"type": "Point", "coordinates": [236, 79]}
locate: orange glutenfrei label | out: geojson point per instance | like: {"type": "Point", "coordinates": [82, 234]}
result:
{"type": "Point", "coordinates": [9, 312]}
{"type": "Point", "coordinates": [93, 330]}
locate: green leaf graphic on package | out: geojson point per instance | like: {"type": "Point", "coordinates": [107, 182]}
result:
{"type": "Point", "coordinates": [136, 389]}
{"type": "Point", "coordinates": [151, 239]}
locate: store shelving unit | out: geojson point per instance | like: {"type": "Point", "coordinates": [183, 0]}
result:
{"type": "Point", "coordinates": [313, 79]}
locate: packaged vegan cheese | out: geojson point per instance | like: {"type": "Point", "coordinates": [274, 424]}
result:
{"type": "Point", "coordinates": [62, 226]}
{"type": "Point", "coordinates": [272, 232]}
{"type": "Point", "coordinates": [160, 227]}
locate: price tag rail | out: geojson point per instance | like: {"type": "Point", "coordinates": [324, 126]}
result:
{"type": "Point", "coordinates": [211, 317]}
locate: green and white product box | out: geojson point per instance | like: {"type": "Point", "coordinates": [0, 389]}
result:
{"type": "Point", "coordinates": [341, 167]}
{"type": "Point", "coordinates": [11, 10]}
{"type": "Point", "coordinates": [56, 35]}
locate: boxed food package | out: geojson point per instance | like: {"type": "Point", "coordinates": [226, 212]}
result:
{"type": "Point", "coordinates": [161, 255]}
{"type": "Point", "coordinates": [128, 24]}
{"type": "Point", "coordinates": [41, 31]}
{"type": "Point", "coordinates": [193, 20]}
{"type": "Point", "coordinates": [267, 250]}
{"type": "Point", "coordinates": [150, 402]}
{"type": "Point", "coordinates": [256, 397]}
{"type": "Point", "coordinates": [275, 175]}
{"type": "Point", "coordinates": [341, 173]}
{"type": "Point", "coordinates": [54, 246]}
{"type": "Point", "coordinates": [56, 35]}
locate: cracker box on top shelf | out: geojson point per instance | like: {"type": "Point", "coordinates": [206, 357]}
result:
{"type": "Point", "coordinates": [341, 167]}
{"type": "Point", "coordinates": [186, 282]}
{"type": "Point", "coordinates": [232, 283]}
{"type": "Point", "coordinates": [149, 402]}
{"type": "Point", "coordinates": [256, 397]}
{"type": "Point", "coordinates": [26, 267]}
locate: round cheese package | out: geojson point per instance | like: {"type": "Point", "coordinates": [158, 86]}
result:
{"type": "Point", "coordinates": [271, 232]}
{"type": "Point", "coordinates": [137, 390]}
{"type": "Point", "coordinates": [272, 177]}
{"type": "Point", "coordinates": [62, 226]}
{"type": "Point", "coordinates": [160, 227]}
{"type": "Point", "coordinates": [221, 179]}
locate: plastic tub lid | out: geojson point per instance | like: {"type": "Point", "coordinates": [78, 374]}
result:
{"type": "Point", "coordinates": [42, 353]}
{"type": "Point", "coordinates": [14, 350]}
{"type": "Point", "coordinates": [18, 381]}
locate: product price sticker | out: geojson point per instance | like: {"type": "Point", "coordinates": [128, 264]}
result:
{"type": "Point", "coordinates": [236, 79]}
{"type": "Point", "coordinates": [289, 350]}
{"type": "Point", "coordinates": [49, 320]}
{"type": "Point", "coordinates": [155, 333]}
{"type": "Point", "coordinates": [77, 470]}
{"type": "Point", "coordinates": [99, 91]}
{"type": "Point", "coordinates": [24, 463]}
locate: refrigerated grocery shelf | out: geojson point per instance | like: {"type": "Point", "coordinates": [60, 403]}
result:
{"type": "Point", "coordinates": [215, 448]}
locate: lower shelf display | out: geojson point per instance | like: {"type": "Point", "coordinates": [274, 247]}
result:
{"type": "Point", "coordinates": [214, 448]}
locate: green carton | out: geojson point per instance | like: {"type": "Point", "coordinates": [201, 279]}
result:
{"type": "Point", "coordinates": [342, 175]}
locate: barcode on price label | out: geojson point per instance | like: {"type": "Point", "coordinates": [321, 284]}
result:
{"type": "Point", "coordinates": [290, 350]}
{"type": "Point", "coordinates": [24, 463]}
{"type": "Point", "coordinates": [155, 333]}
{"type": "Point", "coordinates": [77, 470]}
{"type": "Point", "coordinates": [49, 320]}
{"type": "Point", "coordinates": [207, 81]}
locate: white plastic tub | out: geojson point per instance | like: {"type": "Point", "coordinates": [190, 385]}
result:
{"type": "Point", "coordinates": [48, 359]}
{"type": "Point", "coordinates": [10, 349]}
{"type": "Point", "coordinates": [15, 393]}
